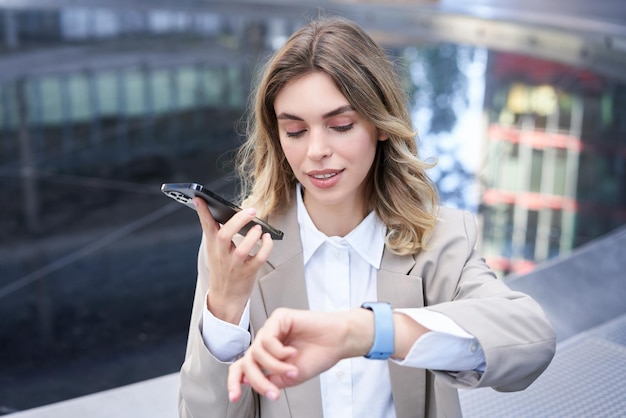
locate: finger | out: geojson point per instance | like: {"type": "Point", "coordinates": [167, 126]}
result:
{"type": "Point", "coordinates": [233, 381]}
{"type": "Point", "coordinates": [270, 339]}
{"type": "Point", "coordinates": [236, 222]}
{"type": "Point", "coordinates": [267, 244]}
{"type": "Point", "coordinates": [270, 354]}
{"type": "Point", "coordinates": [257, 379]}
{"type": "Point", "coordinates": [276, 349]}
{"type": "Point", "coordinates": [250, 242]}
{"type": "Point", "coordinates": [209, 226]}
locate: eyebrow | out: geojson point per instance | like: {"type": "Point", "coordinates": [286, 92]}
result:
{"type": "Point", "coordinates": [338, 111]}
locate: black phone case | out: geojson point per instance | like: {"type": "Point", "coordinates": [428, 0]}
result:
{"type": "Point", "coordinates": [221, 209]}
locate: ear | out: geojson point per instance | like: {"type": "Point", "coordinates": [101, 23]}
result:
{"type": "Point", "coordinates": [382, 135]}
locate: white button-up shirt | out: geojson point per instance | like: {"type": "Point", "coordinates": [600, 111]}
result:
{"type": "Point", "coordinates": [340, 274]}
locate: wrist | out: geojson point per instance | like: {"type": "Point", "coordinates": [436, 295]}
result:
{"type": "Point", "coordinates": [359, 333]}
{"type": "Point", "coordinates": [227, 311]}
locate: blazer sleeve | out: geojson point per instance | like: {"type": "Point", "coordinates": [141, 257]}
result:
{"type": "Point", "coordinates": [517, 339]}
{"type": "Point", "coordinates": [203, 390]}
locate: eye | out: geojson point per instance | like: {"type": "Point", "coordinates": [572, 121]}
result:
{"type": "Point", "coordinates": [343, 128]}
{"type": "Point", "coordinates": [295, 134]}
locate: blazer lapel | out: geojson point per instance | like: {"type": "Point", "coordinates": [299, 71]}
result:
{"type": "Point", "coordinates": [397, 286]}
{"type": "Point", "coordinates": [283, 285]}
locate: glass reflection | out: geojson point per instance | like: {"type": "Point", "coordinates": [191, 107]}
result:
{"type": "Point", "coordinates": [99, 106]}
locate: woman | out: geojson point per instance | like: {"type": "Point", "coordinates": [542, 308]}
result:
{"type": "Point", "coordinates": [331, 160]}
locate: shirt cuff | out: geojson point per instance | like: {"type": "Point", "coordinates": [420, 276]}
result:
{"type": "Point", "coordinates": [446, 347]}
{"type": "Point", "coordinates": [226, 341]}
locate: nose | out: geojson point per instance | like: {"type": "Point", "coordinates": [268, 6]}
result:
{"type": "Point", "coordinates": [319, 146]}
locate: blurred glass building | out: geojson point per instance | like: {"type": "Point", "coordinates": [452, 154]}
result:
{"type": "Point", "coordinates": [99, 105]}
{"type": "Point", "coordinates": [554, 174]}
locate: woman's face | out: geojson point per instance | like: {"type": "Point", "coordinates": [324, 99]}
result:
{"type": "Point", "coordinates": [329, 146]}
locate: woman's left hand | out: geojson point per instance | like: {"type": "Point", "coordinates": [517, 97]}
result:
{"type": "Point", "coordinates": [294, 346]}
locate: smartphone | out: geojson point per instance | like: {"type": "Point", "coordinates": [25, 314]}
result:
{"type": "Point", "coordinates": [221, 209]}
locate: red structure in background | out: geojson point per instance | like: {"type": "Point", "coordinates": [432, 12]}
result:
{"type": "Point", "coordinates": [536, 71]}
{"type": "Point", "coordinates": [555, 168]}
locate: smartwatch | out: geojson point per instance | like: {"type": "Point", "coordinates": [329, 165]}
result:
{"type": "Point", "coordinates": [383, 345]}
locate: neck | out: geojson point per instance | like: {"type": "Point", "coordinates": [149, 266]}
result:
{"type": "Point", "coordinates": [335, 220]}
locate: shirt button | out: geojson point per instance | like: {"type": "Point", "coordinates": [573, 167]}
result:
{"type": "Point", "coordinates": [340, 374]}
{"type": "Point", "coordinates": [473, 347]}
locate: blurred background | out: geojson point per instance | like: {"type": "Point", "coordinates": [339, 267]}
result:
{"type": "Point", "coordinates": [101, 101]}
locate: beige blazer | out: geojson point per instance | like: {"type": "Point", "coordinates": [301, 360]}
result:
{"type": "Point", "coordinates": [448, 277]}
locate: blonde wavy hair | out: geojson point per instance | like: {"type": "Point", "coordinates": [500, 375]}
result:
{"type": "Point", "coordinates": [398, 189]}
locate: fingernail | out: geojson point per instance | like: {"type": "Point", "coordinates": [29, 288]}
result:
{"type": "Point", "coordinates": [231, 396]}
{"type": "Point", "coordinates": [292, 374]}
{"type": "Point", "coordinates": [271, 395]}
{"type": "Point", "coordinates": [195, 203]}
{"type": "Point", "coordinates": [251, 211]}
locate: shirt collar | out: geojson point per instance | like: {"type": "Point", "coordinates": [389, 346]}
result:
{"type": "Point", "coordinates": [367, 239]}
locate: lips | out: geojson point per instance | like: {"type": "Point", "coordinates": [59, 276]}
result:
{"type": "Point", "coordinates": [323, 174]}
{"type": "Point", "coordinates": [324, 178]}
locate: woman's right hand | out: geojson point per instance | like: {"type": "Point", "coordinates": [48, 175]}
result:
{"type": "Point", "coordinates": [233, 268]}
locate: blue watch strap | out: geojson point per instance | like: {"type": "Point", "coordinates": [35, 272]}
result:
{"type": "Point", "coordinates": [383, 345]}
